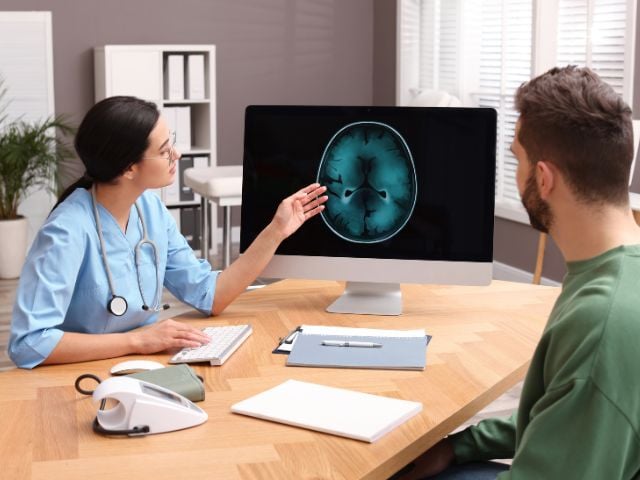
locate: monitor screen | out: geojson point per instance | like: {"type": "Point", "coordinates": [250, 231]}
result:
{"type": "Point", "coordinates": [404, 183]}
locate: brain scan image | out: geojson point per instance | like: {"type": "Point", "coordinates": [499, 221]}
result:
{"type": "Point", "coordinates": [370, 177]}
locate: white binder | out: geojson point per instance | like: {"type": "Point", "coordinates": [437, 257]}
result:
{"type": "Point", "coordinates": [183, 129]}
{"type": "Point", "coordinates": [195, 77]}
{"type": "Point", "coordinates": [174, 77]}
{"type": "Point", "coordinates": [346, 413]}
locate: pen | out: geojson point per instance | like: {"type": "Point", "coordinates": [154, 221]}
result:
{"type": "Point", "coordinates": [340, 343]}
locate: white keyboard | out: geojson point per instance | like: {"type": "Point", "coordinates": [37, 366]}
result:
{"type": "Point", "coordinates": [224, 341]}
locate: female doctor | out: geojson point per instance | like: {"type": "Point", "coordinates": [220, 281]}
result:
{"type": "Point", "coordinates": [92, 282]}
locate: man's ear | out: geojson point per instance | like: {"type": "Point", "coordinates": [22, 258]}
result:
{"type": "Point", "coordinates": [546, 177]}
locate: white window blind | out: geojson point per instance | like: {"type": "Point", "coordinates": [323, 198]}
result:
{"type": "Point", "coordinates": [26, 65]}
{"type": "Point", "coordinates": [505, 63]}
{"type": "Point", "coordinates": [593, 33]}
{"type": "Point", "coordinates": [409, 62]}
{"type": "Point", "coordinates": [439, 45]}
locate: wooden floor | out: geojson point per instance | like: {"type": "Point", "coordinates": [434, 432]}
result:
{"type": "Point", "coordinates": [503, 406]}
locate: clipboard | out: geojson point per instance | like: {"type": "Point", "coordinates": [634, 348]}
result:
{"type": "Point", "coordinates": [394, 353]}
{"type": "Point", "coordinates": [285, 344]}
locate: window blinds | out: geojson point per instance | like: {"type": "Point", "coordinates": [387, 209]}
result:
{"type": "Point", "coordinates": [482, 50]}
{"type": "Point", "coordinates": [439, 45]}
{"type": "Point", "coordinates": [593, 33]}
{"type": "Point", "coordinates": [505, 63]}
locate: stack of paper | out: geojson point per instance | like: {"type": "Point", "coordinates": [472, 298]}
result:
{"type": "Point", "coordinates": [347, 413]}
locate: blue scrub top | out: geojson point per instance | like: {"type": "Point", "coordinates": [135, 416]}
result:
{"type": "Point", "coordinates": [63, 286]}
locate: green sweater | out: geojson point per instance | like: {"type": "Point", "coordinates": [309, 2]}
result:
{"type": "Point", "coordinates": [579, 414]}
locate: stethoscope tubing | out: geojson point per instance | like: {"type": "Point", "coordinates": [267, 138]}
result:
{"type": "Point", "coordinates": [144, 241]}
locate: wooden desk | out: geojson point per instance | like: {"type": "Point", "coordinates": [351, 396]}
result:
{"type": "Point", "coordinates": [483, 339]}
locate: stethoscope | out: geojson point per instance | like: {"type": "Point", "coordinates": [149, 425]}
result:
{"type": "Point", "coordinates": [118, 305]}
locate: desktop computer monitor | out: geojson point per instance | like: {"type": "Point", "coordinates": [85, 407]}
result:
{"type": "Point", "coordinates": [411, 196]}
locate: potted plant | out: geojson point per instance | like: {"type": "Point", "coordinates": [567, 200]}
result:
{"type": "Point", "coordinates": [29, 155]}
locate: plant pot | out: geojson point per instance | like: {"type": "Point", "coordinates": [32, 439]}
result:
{"type": "Point", "coordinates": [13, 246]}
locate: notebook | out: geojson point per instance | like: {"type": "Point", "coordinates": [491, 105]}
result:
{"type": "Point", "coordinates": [337, 411]}
{"type": "Point", "coordinates": [396, 353]}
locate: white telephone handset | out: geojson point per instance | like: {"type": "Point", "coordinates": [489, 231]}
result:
{"type": "Point", "coordinates": [143, 408]}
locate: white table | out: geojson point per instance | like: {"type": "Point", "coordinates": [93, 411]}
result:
{"type": "Point", "coordinates": [222, 186]}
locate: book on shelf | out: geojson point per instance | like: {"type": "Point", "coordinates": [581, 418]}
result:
{"type": "Point", "coordinates": [183, 128]}
{"type": "Point", "coordinates": [186, 194]}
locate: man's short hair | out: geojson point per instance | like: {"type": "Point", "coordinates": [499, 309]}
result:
{"type": "Point", "coordinates": [572, 118]}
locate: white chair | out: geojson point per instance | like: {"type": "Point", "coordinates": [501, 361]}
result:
{"type": "Point", "coordinates": [221, 186]}
{"type": "Point", "coordinates": [434, 98]}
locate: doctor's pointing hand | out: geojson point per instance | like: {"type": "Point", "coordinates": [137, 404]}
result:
{"type": "Point", "coordinates": [92, 283]}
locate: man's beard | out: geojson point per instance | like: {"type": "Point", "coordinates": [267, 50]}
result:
{"type": "Point", "coordinates": [540, 215]}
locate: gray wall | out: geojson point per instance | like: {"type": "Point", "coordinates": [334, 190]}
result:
{"type": "Point", "coordinates": [384, 52]}
{"type": "Point", "coordinates": [268, 51]}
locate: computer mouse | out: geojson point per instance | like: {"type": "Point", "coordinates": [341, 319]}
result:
{"type": "Point", "coordinates": [134, 366]}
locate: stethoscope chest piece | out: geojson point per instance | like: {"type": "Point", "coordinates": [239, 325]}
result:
{"type": "Point", "coordinates": [117, 306]}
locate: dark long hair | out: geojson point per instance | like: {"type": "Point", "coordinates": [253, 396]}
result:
{"type": "Point", "coordinates": [112, 136]}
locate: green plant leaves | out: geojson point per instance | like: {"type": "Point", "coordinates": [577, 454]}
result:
{"type": "Point", "coordinates": [29, 156]}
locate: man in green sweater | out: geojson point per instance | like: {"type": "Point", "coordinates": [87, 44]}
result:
{"type": "Point", "coordinates": [579, 414]}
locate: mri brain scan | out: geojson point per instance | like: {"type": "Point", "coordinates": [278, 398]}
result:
{"type": "Point", "coordinates": [371, 182]}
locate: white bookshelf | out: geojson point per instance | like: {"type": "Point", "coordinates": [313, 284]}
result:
{"type": "Point", "coordinates": [141, 71]}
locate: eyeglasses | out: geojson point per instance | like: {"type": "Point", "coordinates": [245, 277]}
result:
{"type": "Point", "coordinates": [171, 150]}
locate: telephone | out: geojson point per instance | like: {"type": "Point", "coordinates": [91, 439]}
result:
{"type": "Point", "coordinates": [143, 408]}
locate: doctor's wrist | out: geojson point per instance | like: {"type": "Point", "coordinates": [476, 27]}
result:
{"type": "Point", "coordinates": [274, 233]}
{"type": "Point", "coordinates": [133, 342]}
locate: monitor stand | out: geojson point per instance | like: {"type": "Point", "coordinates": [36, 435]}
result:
{"type": "Point", "coordinates": [369, 298]}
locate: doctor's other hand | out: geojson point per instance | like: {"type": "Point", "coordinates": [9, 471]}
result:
{"type": "Point", "coordinates": [296, 209]}
{"type": "Point", "coordinates": [165, 335]}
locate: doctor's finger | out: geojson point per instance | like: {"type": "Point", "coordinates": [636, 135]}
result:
{"type": "Point", "coordinates": [305, 192]}
{"type": "Point", "coordinates": [309, 188]}
{"type": "Point", "coordinates": [182, 343]}
{"type": "Point", "coordinates": [315, 203]}
{"type": "Point", "coordinates": [193, 335]}
{"type": "Point", "coordinates": [313, 194]}
{"type": "Point", "coordinates": [313, 213]}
